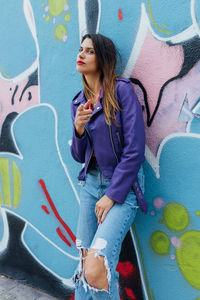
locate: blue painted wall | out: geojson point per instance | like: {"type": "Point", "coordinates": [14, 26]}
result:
{"type": "Point", "coordinates": [159, 46]}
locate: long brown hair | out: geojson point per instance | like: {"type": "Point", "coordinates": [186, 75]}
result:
{"type": "Point", "coordinates": [107, 58]}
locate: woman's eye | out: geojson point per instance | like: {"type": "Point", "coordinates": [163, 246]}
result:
{"type": "Point", "coordinates": [80, 49]}
{"type": "Point", "coordinates": [91, 52]}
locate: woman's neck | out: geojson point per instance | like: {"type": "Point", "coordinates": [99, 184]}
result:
{"type": "Point", "coordinates": [93, 83]}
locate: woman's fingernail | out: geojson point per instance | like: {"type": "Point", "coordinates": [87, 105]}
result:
{"type": "Point", "coordinates": [97, 224]}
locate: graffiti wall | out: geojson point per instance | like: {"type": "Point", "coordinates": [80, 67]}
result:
{"type": "Point", "coordinates": [159, 45]}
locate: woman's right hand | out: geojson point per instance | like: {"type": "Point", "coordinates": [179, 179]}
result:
{"type": "Point", "coordinates": [83, 115]}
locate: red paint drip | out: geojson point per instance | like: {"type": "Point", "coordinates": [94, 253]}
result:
{"type": "Point", "coordinates": [45, 209]}
{"type": "Point", "coordinates": [120, 16]}
{"type": "Point", "coordinates": [61, 235]}
{"type": "Point", "coordinates": [72, 236]}
{"type": "Point", "coordinates": [72, 297]}
{"type": "Point", "coordinates": [130, 294]}
{"type": "Point", "coordinates": [126, 269]}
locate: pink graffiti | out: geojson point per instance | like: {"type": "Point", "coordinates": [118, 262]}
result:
{"type": "Point", "coordinates": [158, 203]}
{"type": "Point", "coordinates": [167, 120]}
{"type": "Point", "coordinates": [176, 242]}
{"type": "Point", "coordinates": [12, 100]}
{"type": "Point", "coordinates": [156, 64]}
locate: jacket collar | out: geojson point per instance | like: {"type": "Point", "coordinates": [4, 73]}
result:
{"type": "Point", "coordinates": [81, 99]}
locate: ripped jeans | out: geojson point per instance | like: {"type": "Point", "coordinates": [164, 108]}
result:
{"type": "Point", "coordinates": [107, 237]}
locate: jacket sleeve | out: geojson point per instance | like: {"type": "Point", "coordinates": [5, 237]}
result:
{"type": "Point", "coordinates": [79, 144]}
{"type": "Point", "coordinates": [132, 156]}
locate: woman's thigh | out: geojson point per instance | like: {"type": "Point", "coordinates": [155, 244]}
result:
{"type": "Point", "coordinates": [87, 223]}
{"type": "Point", "coordinates": [110, 234]}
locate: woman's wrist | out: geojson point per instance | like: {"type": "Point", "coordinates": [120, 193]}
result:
{"type": "Point", "coordinates": [79, 131]}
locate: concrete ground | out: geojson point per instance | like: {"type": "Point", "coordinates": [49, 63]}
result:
{"type": "Point", "coordinates": [13, 290]}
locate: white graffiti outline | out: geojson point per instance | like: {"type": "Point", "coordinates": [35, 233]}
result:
{"type": "Point", "coordinates": [194, 19]}
{"type": "Point", "coordinates": [139, 265]}
{"type": "Point", "coordinates": [5, 238]}
{"type": "Point", "coordinates": [20, 156]}
{"type": "Point", "coordinates": [142, 31]}
{"type": "Point", "coordinates": [82, 18]}
{"type": "Point", "coordinates": [39, 232]}
{"type": "Point", "coordinates": [65, 281]}
{"type": "Point", "coordinates": [28, 12]}
{"type": "Point", "coordinates": [155, 163]}
{"type": "Point", "coordinates": [4, 242]}
{"type": "Point", "coordinates": [35, 66]}
{"type": "Point", "coordinates": [144, 26]}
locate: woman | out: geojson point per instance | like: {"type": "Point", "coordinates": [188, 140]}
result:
{"type": "Point", "coordinates": [109, 138]}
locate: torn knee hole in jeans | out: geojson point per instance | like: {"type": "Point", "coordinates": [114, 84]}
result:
{"type": "Point", "coordinates": [96, 249]}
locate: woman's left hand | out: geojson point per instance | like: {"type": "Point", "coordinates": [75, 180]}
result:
{"type": "Point", "coordinates": [102, 208]}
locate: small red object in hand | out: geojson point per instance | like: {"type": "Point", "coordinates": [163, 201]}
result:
{"type": "Point", "coordinates": [90, 106]}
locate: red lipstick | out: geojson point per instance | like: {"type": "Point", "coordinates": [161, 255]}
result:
{"type": "Point", "coordinates": [79, 62]}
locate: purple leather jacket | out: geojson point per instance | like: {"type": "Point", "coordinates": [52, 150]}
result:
{"type": "Point", "coordinates": [119, 150]}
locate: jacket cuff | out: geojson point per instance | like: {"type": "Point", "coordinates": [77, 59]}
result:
{"type": "Point", "coordinates": [78, 135]}
{"type": "Point", "coordinates": [114, 197]}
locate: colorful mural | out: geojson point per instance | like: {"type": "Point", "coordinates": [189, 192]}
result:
{"type": "Point", "coordinates": [159, 45]}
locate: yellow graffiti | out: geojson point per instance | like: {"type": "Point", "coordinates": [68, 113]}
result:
{"type": "Point", "coordinates": [154, 22]}
{"type": "Point", "coordinates": [16, 185]}
{"type": "Point", "coordinates": [47, 18]}
{"type": "Point", "coordinates": [176, 216]}
{"type": "Point", "coordinates": [188, 257]}
{"type": "Point", "coordinates": [4, 73]}
{"type": "Point", "coordinates": [160, 242]}
{"type": "Point", "coordinates": [5, 187]}
{"type": "Point", "coordinates": [5, 178]}
{"type": "Point", "coordinates": [60, 31]}
{"type": "Point", "coordinates": [56, 7]}
{"type": "Point", "coordinates": [67, 17]}
{"type": "Point", "coordinates": [1, 199]}
{"type": "Point", "coordinates": [153, 295]}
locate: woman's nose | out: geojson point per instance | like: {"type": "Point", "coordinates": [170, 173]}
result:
{"type": "Point", "coordinates": [82, 54]}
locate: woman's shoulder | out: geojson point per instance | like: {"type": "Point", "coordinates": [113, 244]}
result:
{"type": "Point", "coordinates": [124, 85]}
{"type": "Point", "coordinates": [122, 80]}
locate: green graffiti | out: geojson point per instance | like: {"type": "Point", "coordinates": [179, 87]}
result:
{"type": "Point", "coordinates": [188, 257]}
{"type": "Point", "coordinates": [176, 216]}
{"type": "Point", "coordinates": [56, 7]}
{"type": "Point", "coordinates": [60, 31]}
{"type": "Point", "coordinates": [67, 17]}
{"type": "Point", "coordinates": [16, 185]}
{"type": "Point", "coordinates": [47, 18]}
{"type": "Point", "coordinates": [160, 242]}
{"type": "Point", "coordinates": [1, 199]}
{"type": "Point", "coordinates": [5, 173]}
{"type": "Point", "coordinates": [198, 214]}
{"type": "Point", "coordinates": [5, 179]}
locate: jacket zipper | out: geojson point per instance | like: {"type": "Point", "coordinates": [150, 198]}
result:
{"type": "Point", "coordinates": [86, 167]}
{"type": "Point", "coordinates": [119, 140]}
{"type": "Point", "coordinates": [111, 138]}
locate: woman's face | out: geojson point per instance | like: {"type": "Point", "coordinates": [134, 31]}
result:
{"type": "Point", "coordinates": [86, 59]}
